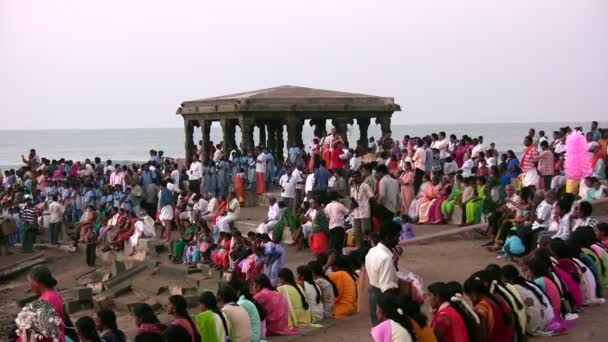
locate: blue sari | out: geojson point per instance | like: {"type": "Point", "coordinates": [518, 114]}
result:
{"type": "Point", "coordinates": [513, 171]}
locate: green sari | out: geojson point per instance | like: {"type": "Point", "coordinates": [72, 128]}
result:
{"type": "Point", "coordinates": [474, 208]}
{"type": "Point", "coordinates": [178, 247]}
{"type": "Point", "coordinates": [207, 327]}
{"type": "Point", "coordinates": [287, 218]}
{"type": "Point", "coordinates": [447, 207]}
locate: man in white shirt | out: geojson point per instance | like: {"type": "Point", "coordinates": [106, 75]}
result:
{"type": "Point", "coordinates": [419, 160]}
{"type": "Point", "coordinates": [143, 228]}
{"type": "Point", "coordinates": [195, 173]}
{"type": "Point", "coordinates": [260, 172]}
{"type": "Point", "coordinates": [477, 147]}
{"type": "Point", "coordinates": [442, 145]}
{"type": "Point", "coordinates": [231, 214]}
{"type": "Point", "coordinates": [309, 185]}
{"type": "Point", "coordinates": [355, 161]}
{"type": "Point", "coordinates": [299, 177]}
{"type": "Point", "coordinates": [200, 207]}
{"type": "Point", "coordinates": [271, 219]}
{"type": "Point", "coordinates": [288, 188]}
{"type": "Point", "coordinates": [56, 211]}
{"type": "Point", "coordinates": [361, 192]}
{"type": "Point", "coordinates": [389, 193]}
{"type": "Point", "coordinates": [380, 266]}
{"type": "Point", "coordinates": [336, 212]}
{"type": "Point", "coordinates": [218, 154]}
{"type": "Point", "coordinates": [543, 215]}
{"type": "Point", "coordinates": [212, 207]}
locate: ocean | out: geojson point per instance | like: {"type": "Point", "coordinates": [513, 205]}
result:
{"type": "Point", "coordinates": [133, 144]}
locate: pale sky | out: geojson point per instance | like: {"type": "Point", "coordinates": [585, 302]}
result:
{"type": "Point", "coordinates": [93, 64]}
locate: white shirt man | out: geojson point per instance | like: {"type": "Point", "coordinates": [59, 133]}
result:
{"type": "Point", "coordinates": [175, 176]}
{"type": "Point", "coordinates": [234, 209]}
{"type": "Point", "coordinates": [288, 186]}
{"type": "Point", "coordinates": [310, 183]}
{"type": "Point", "coordinates": [476, 149]}
{"type": "Point", "coordinates": [355, 163]}
{"type": "Point", "coordinates": [260, 166]}
{"type": "Point", "coordinates": [298, 175]}
{"type": "Point", "coordinates": [56, 211]}
{"type": "Point", "coordinates": [118, 177]}
{"type": "Point", "coordinates": [467, 168]}
{"type": "Point", "coordinates": [362, 193]}
{"type": "Point", "coordinates": [381, 269]}
{"type": "Point", "coordinates": [212, 207]}
{"type": "Point", "coordinates": [271, 219]}
{"type": "Point", "coordinates": [389, 194]}
{"type": "Point", "coordinates": [419, 159]}
{"type": "Point", "coordinates": [218, 155]}
{"type": "Point", "coordinates": [543, 216]}
{"type": "Point", "coordinates": [200, 208]}
{"type": "Point", "coordinates": [442, 146]}
{"type": "Point", "coordinates": [195, 172]}
{"type": "Point", "coordinates": [335, 212]}
{"type": "Point", "coordinates": [144, 227]}
{"type": "Point", "coordinates": [450, 167]}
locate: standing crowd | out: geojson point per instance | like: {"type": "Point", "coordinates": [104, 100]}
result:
{"type": "Point", "coordinates": [369, 197]}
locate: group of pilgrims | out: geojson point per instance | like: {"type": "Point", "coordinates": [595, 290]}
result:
{"type": "Point", "coordinates": [367, 198]}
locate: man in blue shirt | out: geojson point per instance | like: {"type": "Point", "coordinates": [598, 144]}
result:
{"type": "Point", "coordinates": [321, 177]}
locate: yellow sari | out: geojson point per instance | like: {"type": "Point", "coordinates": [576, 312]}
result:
{"type": "Point", "coordinates": [298, 316]}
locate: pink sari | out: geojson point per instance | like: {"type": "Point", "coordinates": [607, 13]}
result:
{"type": "Point", "coordinates": [435, 215]}
{"type": "Point", "coordinates": [54, 298]}
{"type": "Point", "coordinates": [277, 312]}
{"type": "Point", "coordinates": [407, 190]}
{"type": "Point", "coordinates": [425, 203]}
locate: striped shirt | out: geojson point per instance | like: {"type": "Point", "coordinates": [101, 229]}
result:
{"type": "Point", "coordinates": [28, 215]}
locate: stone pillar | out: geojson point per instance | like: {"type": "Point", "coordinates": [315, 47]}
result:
{"type": "Point", "coordinates": [292, 131]}
{"type": "Point", "coordinates": [232, 135]}
{"type": "Point", "coordinates": [319, 126]}
{"type": "Point", "coordinates": [262, 136]}
{"type": "Point", "coordinates": [363, 126]}
{"type": "Point", "coordinates": [385, 122]}
{"type": "Point", "coordinates": [280, 142]}
{"type": "Point", "coordinates": [272, 137]}
{"type": "Point", "coordinates": [205, 130]}
{"type": "Point", "coordinates": [341, 126]}
{"type": "Point", "coordinates": [225, 134]}
{"type": "Point", "coordinates": [247, 132]}
{"type": "Point", "coordinates": [189, 145]}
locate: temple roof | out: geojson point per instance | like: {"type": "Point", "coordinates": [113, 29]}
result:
{"type": "Point", "coordinates": [289, 99]}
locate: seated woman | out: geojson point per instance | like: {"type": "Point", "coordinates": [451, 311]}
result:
{"type": "Point", "coordinates": [188, 235]}
{"type": "Point", "coordinates": [512, 167]}
{"type": "Point", "coordinates": [124, 233]}
{"type": "Point", "coordinates": [450, 321]}
{"type": "Point", "coordinates": [428, 197]}
{"type": "Point", "coordinates": [220, 254]}
{"type": "Point", "coordinates": [474, 207]}
{"type": "Point", "coordinates": [275, 305]}
{"type": "Point", "coordinates": [394, 324]}
{"type": "Point", "coordinates": [435, 215]}
{"type": "Point", "coordinates": [312, 292]}
{"type": "Point", "coordinates": [287, 219]}
{"type": "Point", "coordinates": [299, 309]}
{"type": "Point", "coordinates": [212, 324]}
{"type": "Point", "coordinates": [346, 282]}
{"type": "Point", "coordinates": [447, 207]}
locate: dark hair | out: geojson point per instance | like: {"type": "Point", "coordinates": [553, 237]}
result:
{"type": "Point", "coordinates": [495, 274]}
{"type": "Point", "coordinates": [394, 310]}
{"type": "Point", "coordinates": [317, 270]}
{"type": "Point", "coordinates": [344, 263]}
{"type": "Point", "coordinates": [479, 283]}
{"type": "Point", "coordinates": [389, 228]}
{"type": "Point", "coordinates": [148, 337]}
{"type": "Point", "coordinates": [108, 319]}
{"type": "Point", "coordinates": [287, 276]}
{"type": "Point", "coordinates": [412, 309]}
{"type": "Point", "coordinates": [602, 227]}
{"type": "Point", "coordinates": [586, 208]}
{"type": "Point", "coordinates": [243, 287]}
{"type": "Point", "coordinates": [86, 328]}
{"type": "Point", "coordinates": [442, 291]}
{"type": "Point", "coordinates": [177, 333]}
{"type": "Point", "coordinates": [145, 312]}
{"type": "Point", "coordinates": [227, 294]}
{"type": "Point", "coordinates": [264, 281]}
{"type": "Point", "coordinates": [181, 309]}
{"type": "Point", "coordinates": [306, 273]}
{"type": "Point", "coordinates": [511, 274]}
{"type": "Point", "coordinates": [208, 299]}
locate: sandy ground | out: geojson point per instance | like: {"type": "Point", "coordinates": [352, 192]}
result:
{"type": "Point", "coordinates": [438, 261]}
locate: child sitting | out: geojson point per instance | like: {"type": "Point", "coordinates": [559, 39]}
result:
{"type": "Point", "coordinates": [407, 228]}
{"type": "Point", "coordinates": [514, 245]}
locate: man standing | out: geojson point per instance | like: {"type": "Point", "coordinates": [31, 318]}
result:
{"type": "Point", "coordinates": [389, 194]}
{"type": "Point", "coordinates": [260, 172]}
{"type": "Point", "coordinates": [321, 178]}
{"type": "Point", "coordinates": [380, 266]}
{"type": "Point", "coordinates": [336, 212]}
{"type": "Point", "coordinates": [546, 164]}
{"type": "Point", "coordinates": [288, 188]}
{"type": "Point", "coordinates": [442, 145]}
{"type": "Point", "coordinates": [419, 160]}
{"type": "Point", "coordinates": [361, 192]}
{"type": "Point", "coordinates": [528, 163]}
{"type": "Point", "coordinates": [271, 219]}
{"type": "Point", "coordinates": [30, 225]}
{"type": "Point", "coordinates": [56, 211]}
{"type": "Point", "coordinates": [195, 173]}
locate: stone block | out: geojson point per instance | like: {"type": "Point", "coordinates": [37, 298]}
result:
{"type": "Point", "coordinates": [126, 303]}
{"type": "Point", "coordinates": [73, 306]}
{"type": "Point", "coordinates": [175, 271]}
{"type": "Point", "coordinates": [191, 300]}
{"type": "Point", "coordinates": [106, 298]}
{"type": "Point", "coordinates": [126, 276]}
{"type": "Point", "coordinates": [148, 286]}
{"type": "Point", "coordinates": [25, 299]}
{"type": "Point", "coordinates": [97, 287]}
{"type": "Point", "coordinates": [82, 293]}
{"type": "Point", "coordinates": [208, 285]}
{"type": "Point", "coordinates": [118, 267]}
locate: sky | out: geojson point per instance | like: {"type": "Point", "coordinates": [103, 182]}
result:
{"type": "Point", "coordinates": [129, 64]}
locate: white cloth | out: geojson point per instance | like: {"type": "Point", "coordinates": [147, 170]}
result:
{"type": "Point", "coordinates": [389, 193]}
{"type": "Point", "coordinates": [143, 228]}
{"type": "Point", "coordinates": [543, 213]}
{"type": "Point", "coordinates": [310, 183]}
{"type": "Point", "coordinates": [218, 155]}
{"type": "Point", "coordinates": [355, 163]}
{"type": "Point", "coordinates": [56, 210]}
{"type": "Point", "coordinates": [564, 228]}
{"type": "Point", "coordinates": [299, 177]}
{"type": "Point", "coordinates": [476, 149]}
{"type": "Point", "coordinates": [166, 213]}
{"type": "Point", "coordinates": [362, 194]}
{"type": "Point", "coordinates": [310, 291]}
{"type": "Point", "coordinates": [265, 227]}
{"type": "Point", "coordinates": [196, 171]}
{"type": "Point", "coordinates": [530, 177]}
{"type": "Point", "coordinates": [273, 212]}
{"type": "Point", "coordinates": [381, 269]}
{"type": "Point", "coordinates": [260, 165]}
{"type": "Point", "coordinates": [442, 146]}
{"type": "Point", "coordinates": [449, 168]}
{"type": "Point", "coordinates": [467, 168]}
{"type": "Point", "coordinates": [288, 186]}
{"type": "Point", "coordinates": [335, 212]}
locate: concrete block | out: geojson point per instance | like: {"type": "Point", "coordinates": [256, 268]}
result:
{"type": "Point", "coordinates": [208, 285]}
{"type": "Point", "coordinates": [97, 287]}
{"type": "Point", "coordinates": [175, 271]}
{"type": "Point", "coordinates": [106, 298]}
{"type": "Point", "coordinates": [25, 299]}
{"type": "Point", "coordinates": [118, 267]}
{"type": "Point", "coordinates": [148, 286]}
{"type": "Point", "coordinates": [73, 306]}
{"type": "Point", "coordinates": [191, 300]}
{"type": "Point", "coordinates": [126, 276]}
{"type": "Point", "coordinates": [82, 293]}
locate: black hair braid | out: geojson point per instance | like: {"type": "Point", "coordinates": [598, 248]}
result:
{"type": "Point", "coordinates": [286, 275]}
{"type": "Point", "coordinates": [306, 274]}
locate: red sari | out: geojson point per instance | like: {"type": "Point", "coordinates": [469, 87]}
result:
{"type": "Point", "coordinates": [220, 210]}
{"type": "Point", "coordinates": [449, 320]}
{"type": "Point", "coordinates": [435, 215]}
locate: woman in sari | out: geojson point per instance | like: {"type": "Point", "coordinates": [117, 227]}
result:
{"type": "Point", "coordinates": [239, 186]}
{"type": "Point", "coordinates": [179, 309]}
{"type": "Point", "coordinates": [435, 215]}
{"type": "Point", "coordinates": [287, 219]}
{"type": "Point", "coordinates": [407, 187]}
{"type": "Point", "coordinates": [300, 314]}
{"type": "Point", "coordinates": [274, 258]}
{"type": "Point", "coordinates": [345, 280]}
{"type": "Point", "coordinates": [314, 155]}
{"type": "Point", "coordinates": [428, 197]}
{"type": "Point", "coordinates": [447, 207]}
{"type": "Point", "coordinates": [275, 305]}
{"type": "Point", "coordinates": [474, 205]}
{"type": "Point", "coordinates": [460, 151]}
{"type": "Point", "coordinates": [513, 169]}
{"type": "Point", "coordinates": [211, 323]}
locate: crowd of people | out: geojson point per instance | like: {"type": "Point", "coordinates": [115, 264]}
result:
{"type": "Point", "coordinates": [331, 196]}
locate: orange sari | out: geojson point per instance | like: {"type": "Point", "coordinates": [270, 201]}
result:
{"type": "Point", "coordinates": [239, 187]}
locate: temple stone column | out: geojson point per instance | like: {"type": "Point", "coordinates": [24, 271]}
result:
{"type": "Point", "coordinates": [247, 132]}
{"type": "Point", "coordinates": [293, 125]}
{"type": "Point", "coordinates": [272, 137]}
{"type": "Point", "coordinates": [341, 126]}
{"type": "Point", "coordinates": [262, 127]}
{"type": "Point", "coordinates": [385, 123]}
{"type": "Point", "coordinates": [363, 126]}
{"type": "Point", "coordinates": [319, 126]}
{"type": "Point", "coordinates": [225, 134]}
{"type": "Point", "coordinates": [280, 142]}
{"type": "Point", "coordinates": [205, 130]}
{"type": "Point", "coordinates": [189, 145]}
